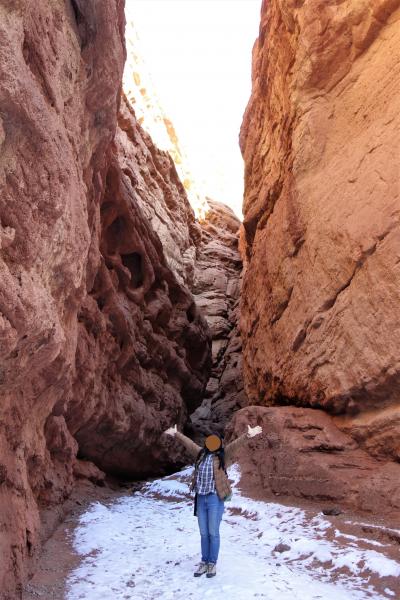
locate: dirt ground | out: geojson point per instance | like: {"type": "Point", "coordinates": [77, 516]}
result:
{"type": "Point", "coordinates": [58, 557]}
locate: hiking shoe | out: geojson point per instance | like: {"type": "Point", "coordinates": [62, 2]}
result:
{"type": "Point", "coordinates": [201, 569]}
{"type": "Point", "coordinates": [211, 570]}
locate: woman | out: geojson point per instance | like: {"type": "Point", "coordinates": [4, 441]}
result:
{"type": "Point", "coordinates": [211, 486]}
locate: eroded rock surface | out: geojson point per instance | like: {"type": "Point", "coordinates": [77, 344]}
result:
{"type": "Point", "coordinates": [59, 94]}
{"type": "Point", "coordinates": [303, 455]}
{"type": "Point", "coordinates": [320, 140]}
{"type": "Point", "coordinates": [204, 253]}
{"type": "Point", "coordinates": [102, 346]}
{"type": "Point", "coordinates": [143, 348]}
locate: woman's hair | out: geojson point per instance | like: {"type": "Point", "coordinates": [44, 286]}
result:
{"type": "Point", "coordinates": [221, 455]}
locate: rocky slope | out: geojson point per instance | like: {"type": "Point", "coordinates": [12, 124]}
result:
{"type": "Point", "coordinates": [321, 239]}
{"type": "Point", "coordinates": [102, 344]}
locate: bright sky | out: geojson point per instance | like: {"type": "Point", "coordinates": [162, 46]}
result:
{"type": "Point", "coordinates": [199, 55]}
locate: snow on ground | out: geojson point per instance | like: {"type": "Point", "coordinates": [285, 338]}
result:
{"type": "Point", "coordinates": [145, 547]}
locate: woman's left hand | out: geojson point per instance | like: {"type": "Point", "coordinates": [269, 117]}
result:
{"type": "Point", "coordinates": [253, 431]}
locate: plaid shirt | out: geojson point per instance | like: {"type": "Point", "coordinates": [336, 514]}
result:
{"type": "Point", "coordinates": [205, 476]}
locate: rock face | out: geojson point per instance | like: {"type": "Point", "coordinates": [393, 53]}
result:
{"type": "Point", "coordinates": [59, 94]}
{"type": "Point", "coordinates": [302, 454]}
{"type": "Point", "coordinates": [102, 344]}
{"type": "Point", "coordinates": [321, 238]}
{"type": "Point", "coordinates": [216, 290]}
{"type": "Point", "coordinates": [143, 354]}
{"type": "Point", "coordinates": [203, 254]}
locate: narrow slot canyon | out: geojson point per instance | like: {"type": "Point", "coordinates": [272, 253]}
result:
{"type": "Point", "coordinates": [133, 297]}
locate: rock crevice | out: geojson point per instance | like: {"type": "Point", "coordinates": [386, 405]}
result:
{"type": "Point", "coordinates": [216, 289]}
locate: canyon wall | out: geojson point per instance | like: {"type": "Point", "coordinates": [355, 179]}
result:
{"type": "Point", "coordinates": [102, 344]}
{"type": "Point", "coordinates": [203, 254]}
{"type": "Point", "coordinates": [143, 350]}
{"type": "Point", "coordinates": [160, 193]}
{"type": "Point", "coordinates": [320, 307]}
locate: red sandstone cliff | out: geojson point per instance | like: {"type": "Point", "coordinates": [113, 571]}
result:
{"type": "Point", "coordinates": [321, 294]}
{"type": "Point", "coordinates": [102, 344]}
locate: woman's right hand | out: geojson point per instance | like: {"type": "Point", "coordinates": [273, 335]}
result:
{"type": "Point", "coordinates": [171, 430]}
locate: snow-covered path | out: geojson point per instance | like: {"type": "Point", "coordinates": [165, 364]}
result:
{"type": "Point", "coordinates": [146, 546]}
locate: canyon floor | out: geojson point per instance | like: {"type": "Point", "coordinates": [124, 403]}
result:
{"type": "Point", "coordinates": [143, 543]}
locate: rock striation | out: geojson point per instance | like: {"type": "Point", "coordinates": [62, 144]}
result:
{"type": "Point", "coordinates": [320, 306]}
{"type": "Point", "coordinates": [102, 343]}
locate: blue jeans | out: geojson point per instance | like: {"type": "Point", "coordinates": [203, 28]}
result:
{"type": "Point", "coordinates": [209, 514]}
